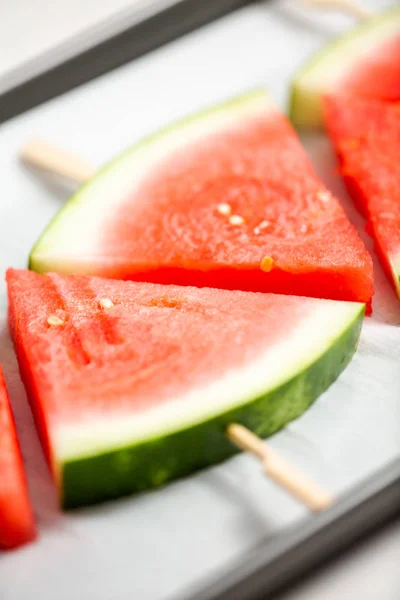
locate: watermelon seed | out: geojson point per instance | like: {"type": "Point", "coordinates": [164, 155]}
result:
{"type": "Point", "coordinates": [303, 228]}
{"type": "Point", "coordinates": [106, 303]}
{"type": "Point", "coordinates": [236, 220]}
{"type": "Point", "coordinates": [264, 224]}
{"type": "Point", "coordinates": [224, 208]}
{"type": "Point", "coordinates": [323, 196]}
{"type": "Point", "coordinates": [54, 321]}
{"type": "Point", "coordinates": [266, 264]}
{"type": "Point", "coordinates": [260, 226]}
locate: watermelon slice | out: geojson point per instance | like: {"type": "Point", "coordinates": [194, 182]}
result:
{"type": "Point", "coordinates": [226, 199]}
{"type": "Point", "coordinates": [366, 135]}
{"type": "Point", "coordinates": [16, 518]}
{"type": "Point", "coordinates": [364, 62]}
{"type": "Point", "coordinates": [132, 384]}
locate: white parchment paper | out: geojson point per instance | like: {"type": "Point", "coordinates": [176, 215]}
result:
{"type": "Point", "coordinates": [153, 545]}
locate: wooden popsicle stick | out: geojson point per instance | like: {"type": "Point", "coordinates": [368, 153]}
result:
{"type": "Point", "coordinates": [349, 6]}
{"type": "Point", "coordinates": [276, 467]}
{"type": "Point", "coordinates": [41, 155]}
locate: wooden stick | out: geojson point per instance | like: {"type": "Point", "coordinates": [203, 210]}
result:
{"type": "Point", "coordinates": [349, 6]}
{"type": "Point", "coordinates": [41, 155]}
{"type": "Point", "coordinates": [276, 467]}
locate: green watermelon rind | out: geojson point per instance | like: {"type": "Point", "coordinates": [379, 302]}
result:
{"type": "Point", "coordinates": [154, 462]}
{"type": "Point", "coordinates": [305, 106]}
{"type": "Point", "coordinates": [47, 253]}
{"type": "Point", "coordinates": [393, 265]}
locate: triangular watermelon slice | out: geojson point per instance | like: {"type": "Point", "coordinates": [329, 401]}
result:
{"type": "Point", "coordinates": [364, 61]}
{"type": "Point", "coordinates": [132, 384]}
{"type": "Point", "coordinates": [226, 199]}
{"type": "Point", "coordinates": [366, 135]}
{"type": "Point", "coordinates": [16, 518]}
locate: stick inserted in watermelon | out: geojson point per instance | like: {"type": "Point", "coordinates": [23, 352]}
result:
{"type": "Point", "coordinates": [16, 518]}
{"type": "Point", "coordinates": [226, 199]}
{"type": "Point", "coordinates": [364, 61]}
{"type": "Point", "coordinates": [366, 135]}
{"type": "Point", "coordinates": [133, 384]}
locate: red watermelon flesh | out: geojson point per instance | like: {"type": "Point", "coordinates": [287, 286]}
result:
{"type": "Point", "coordinates": [203, 203]}
{"type": "Point", "coordinates": [132, 384]}
{"type": "Point", "coordinates": [377, 75]}
{"type": "Point", "coordinates": [366, 135]}
{"type": "Point", "coordinates": [16, 518]}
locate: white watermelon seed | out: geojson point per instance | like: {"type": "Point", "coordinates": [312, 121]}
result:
{"type": "Point", "coordinates": [106, 303]}
{"type": "Point", "coordinates": [236, 220]}
{"type": "Point", "coordinates": [224, 208]}
{"type": "Point", "coordinates": [264, 224]}
{"type": "Point", "coordinates": [323, 196]}
{"type": "Point", "coordinates": [54, 321]}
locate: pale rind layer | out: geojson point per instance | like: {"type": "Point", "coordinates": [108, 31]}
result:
{"type": "Point", "coordinates": [395, 267]}
{"type": "Point", "coordinates": [122, 455]}
{"type": "Point", "coordinates": [72, 242]}
{"type": "Point", "coordinates": [325, 71]}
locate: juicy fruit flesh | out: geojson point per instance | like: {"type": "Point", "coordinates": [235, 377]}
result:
{"type": "Point", "coordinates": [154, 343]}
{"type": "Point", "coordinates": [175, 233]}
{"type": "Point", "coordinates": [16, 519]}
{"type": "Point", "coordinates": [168, 228]}
{"type": "Point", "coordinates": [378, 74]}
{"type": "Point", "coordinates": [366, 135]}
{"type": "Point", "coordinates": [177, 218]}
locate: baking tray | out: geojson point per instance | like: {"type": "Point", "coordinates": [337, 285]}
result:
{"type": "Point", "coordinates": [274, 566]}
{"type": "Point", "coordinates": [133, 31]}
{"type": "Point", "coordinates": [226, 532]}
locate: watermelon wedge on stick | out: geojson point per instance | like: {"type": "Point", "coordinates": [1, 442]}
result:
{"type": "Point", "coordinates": [366, 136]}
{"type": "Point", "coordinates": [133, 384]}
{"type": "Point", "coordinates": [16, 518]}
{"type": "Point", "coordinates": [365, 61]}
{"type": "Point", "coordinates": [226, 199]}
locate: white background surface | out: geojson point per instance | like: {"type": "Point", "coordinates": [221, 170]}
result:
{"type": "Point", "coordinates": [152, 546]}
